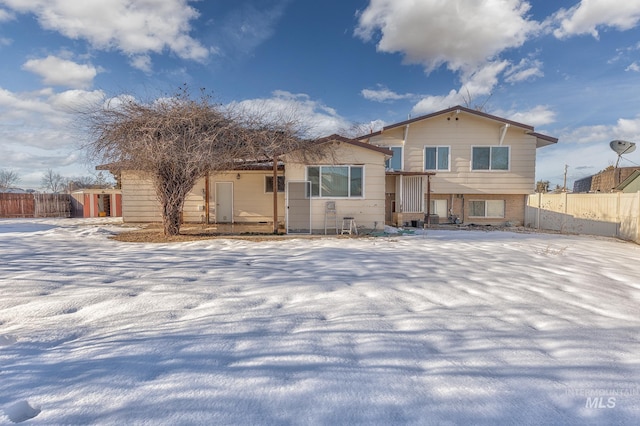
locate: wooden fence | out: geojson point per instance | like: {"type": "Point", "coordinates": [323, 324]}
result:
{"type": "Point", "coordinates": [610, 215]}
{"type": "Point", "coordinates": [35, 205]}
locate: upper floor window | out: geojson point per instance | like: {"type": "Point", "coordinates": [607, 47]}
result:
{"type": "Point", "coordinates": [490, 158]}
{"type": "Point", "coordinates": [395, 162]}
{"type": "Point", "coordinates": [336, 181]}
{"type": "Point", "coordinates": [436, 158]}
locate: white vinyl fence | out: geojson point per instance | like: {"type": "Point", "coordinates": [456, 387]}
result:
{"type": "Point", "coordinates": [611, 215]}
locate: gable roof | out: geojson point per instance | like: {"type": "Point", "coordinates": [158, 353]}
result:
{"type": "Point", "coordinates": [337, 138]}
{"type": "Point", "coordinates": [633, 176]}
{"type": "Point", "coordinates": [541, 140]}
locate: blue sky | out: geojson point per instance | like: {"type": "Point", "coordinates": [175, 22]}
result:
{"type": "Point", "coordinates": [569, 68]}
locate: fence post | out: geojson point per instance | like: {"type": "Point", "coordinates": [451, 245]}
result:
{"type": "Point", "coordinates": [538, 211]}
{"type": "Point", "coordinates": [638, 217]}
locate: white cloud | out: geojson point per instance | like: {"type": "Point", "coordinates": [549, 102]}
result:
{"type": "Point", "coordinates": [141, 62]}
{"type": "Point", "coordinates": [132, 27]}
{"type": "Point", "coordinates": [38, 131]}
{"type": "Point", "coordinates": [589, 15]}
{"type": "Point", "coordinates": [525, 70]}
{"type": "Point", "coordinates": [248, 26]}
{"type": "Point", "coordinates": [5, 15]}
{"type": "Point", "coordinates": [383, 94]}
{"type": "Point", "coordinates": [461, 34]}
{"type": "Point", "coordinates": [61, 72]}
{"type": "Point", "coordinates": [475, 90]}
{"type": "Point", "coordinates": [539, 115]}
{"type": "Point", "coordinates": [633, 67]}
{"type": "Point", "coordinates": [320, 119]}
{"type": "Point", "coordinates": [431, 104]}
{"type": "Point", "coordinates": [624, 128]}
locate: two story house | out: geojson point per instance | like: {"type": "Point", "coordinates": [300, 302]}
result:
{"type": "Point", "coordinates": [459, 165]}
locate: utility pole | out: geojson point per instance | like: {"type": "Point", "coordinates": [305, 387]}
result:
{"type": "Point", "coordinates": [564, 183]}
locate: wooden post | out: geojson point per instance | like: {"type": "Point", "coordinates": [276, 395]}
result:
{"type": "Point", "coordinates": [275, 195]}
{"type": "Point", "coordinates": [429, 200]}
{"type": "Point", "coordinates": [206, 198]}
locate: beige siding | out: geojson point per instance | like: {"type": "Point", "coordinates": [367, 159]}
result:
{"type": "Point", "coordinates": [369, 210]}
{"type": "Point", "coordinates": [139, 201]}
{"type": "Point", "coordinates": [461, 135]}
{"type": "Point", "coordinates": [250, 201]}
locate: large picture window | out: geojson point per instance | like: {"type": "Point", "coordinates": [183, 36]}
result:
{"type": "Point", "coordinates": [395, 162]}
{"type": "Point", "coordinates": [490, 158]}
{"type": "Point", "coordinates": [486, 208]}
{"type": "Point", "coordinates": [336, 181]}
{"type": "Point", "coordinates": [436, 158]}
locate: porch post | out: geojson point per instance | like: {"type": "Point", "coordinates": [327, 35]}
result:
{"type": "Point", "coordinates": [429, 200]}
{"type": "Point", "coordinates": [275, 195]}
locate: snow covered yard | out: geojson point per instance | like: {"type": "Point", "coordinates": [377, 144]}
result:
{"type": "Point", "coordinates": [455, 327]}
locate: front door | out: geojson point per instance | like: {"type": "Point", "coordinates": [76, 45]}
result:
{"type": "Point", "coordinates": [224, 202]}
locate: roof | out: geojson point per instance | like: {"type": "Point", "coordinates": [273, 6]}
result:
{"type": "Point", "coordinates": [633, 176]}
{"type": "Point", "coordinates": [354, 142]}
{"type": "Point", "coordinates": [541, 140]}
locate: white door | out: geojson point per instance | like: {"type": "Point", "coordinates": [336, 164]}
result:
{"type": "Point", "coordinates": [224, 202]}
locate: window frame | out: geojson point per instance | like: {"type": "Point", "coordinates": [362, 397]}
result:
{"type": "Point", "coordinates": [349, 181]}
{"type": "Point", "coordinates": [486, 209]}
{"type": "Point", "coordinates": [280, 179]}
{"type": "Point", "coordinates": [387, 163]}
{"type": "Point", "coordinates": [437, 148]}
{"type": "Point", "coordinates": [491, 157]}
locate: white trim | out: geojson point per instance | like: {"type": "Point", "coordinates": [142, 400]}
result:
{"type": "Point", "coordinates": [401, 158]}
{"type": "Point", "coordinates": [424, 158]}
{"type": "Point", "coordinates": [490, 170]}
{"type": "Point", "coordinates": [215, 201]}
{"type": "Point", "coordinates": [348, 197]}
{"type": "Point", "coordinates": [504, 209]}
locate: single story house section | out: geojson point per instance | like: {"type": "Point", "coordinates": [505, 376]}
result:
{"type": "Point", "coordinates": [350, 180]}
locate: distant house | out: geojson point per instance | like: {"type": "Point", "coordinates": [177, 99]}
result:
{"type": "Point", "coordinates": [351, 178]}
{"type": "Point", "coordinates": [479, 167]}
{"type": "Point", "coordinates": [605, 181]}
{"type": "Point", "coordinates": [631, 183]}
{"type": "Point", "coordinates": [96, 203]}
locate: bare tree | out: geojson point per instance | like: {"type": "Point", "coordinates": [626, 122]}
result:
{"type": "Point", "coordinates": [8, 178]}
{"type": "Point", "coordinates": [92, 181]}
{"type": "Point", "coordinates": [53, 182]}
{"type": "Point", "coordinates": [469, 102]}
{"type": "Point", "coordinates": [178, 140]}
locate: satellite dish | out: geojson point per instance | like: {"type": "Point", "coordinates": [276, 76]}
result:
{"type": "Point", "coordinates": [622, 147]}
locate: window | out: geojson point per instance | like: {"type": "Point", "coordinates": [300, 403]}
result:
{"type": "Point", "coordinates": [336, 181]}
{"type": "Point", "coordinates": [395, 162]}
{"type": "Point", "coordinates": [486, 208]}
{"type": "Point", "coordinates": [436, 158]}
{"type": "Point", "coordinates": [439, 207]}
{"type": "Point", "coordinates": [490, 158]}
{"type": "Point", "coordinates": [268, 184]}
